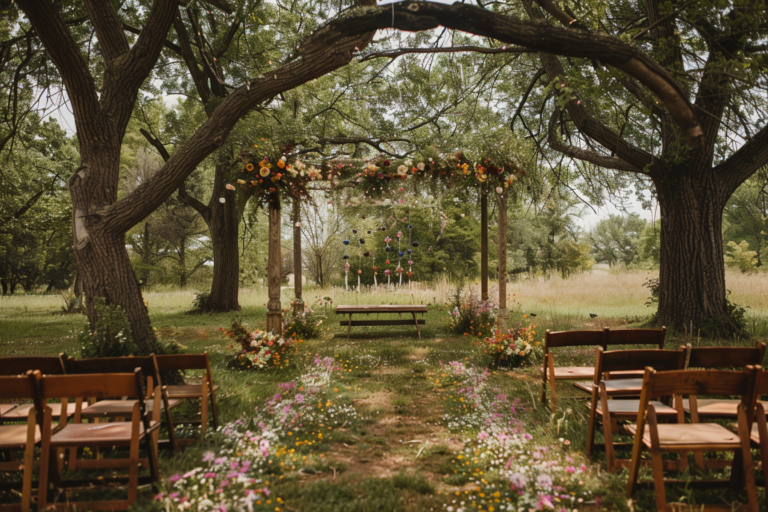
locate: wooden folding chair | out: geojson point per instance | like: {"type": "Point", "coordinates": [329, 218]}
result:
{"type": "Point", "coordinates": [625, 337]}
{"type": "Point", "coordinates": [14, 438]}
{"type": "Point", "coordinates": [118, 409]}
{"type": "Point", "coordinates": [19, 365]}
{"type": "Point", "coordinates": [613, 413]}
{"type": "Point", "coordinates": [75, 435]}
{"type": "Point", "coordinates": [183, 362]}
{"type": "Point", "coordinates": [555, 373]}
{"type": "Point", "coordinates": [714, 358]}
{"type": "Point", "coordinates": [682, 438]}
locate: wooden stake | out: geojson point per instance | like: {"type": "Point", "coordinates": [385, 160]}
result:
{"type": "Point", "coordinates": [503, 313]}
{"type": "Point", "coordinates": [298, 303]}
{"type": "Point", "coordinates": [274, 308]}
{"type": "Point", "coordinates": [484, 245]}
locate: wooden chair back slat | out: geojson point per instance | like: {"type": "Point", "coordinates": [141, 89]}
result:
{"type": "Point", "coordinates": [18, 386]}
{"type": "Point", "coordinates": [19, 365]}
{"type": "Point", "coordinates": [636, 337]}
{"type": "Point", "coordinates": [175, 362]}
{"type": "Point", "coordinates": [629, 360]}
{"type": "Point", "coordinates": [98, 385]}
{"type": "Point", "coordinates": [698, 382]}
{"type": "Point", "coordinates": [727, 357]}
{"type": "Point", "coordinates": [147, 364]}
{"type": "Point", "coordinates": [762, 383]}
{"type": "Point", "coordinates": [574, 339]}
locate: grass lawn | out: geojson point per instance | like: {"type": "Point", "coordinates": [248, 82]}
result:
{"type": "Point", "coordinates": [397, 451]}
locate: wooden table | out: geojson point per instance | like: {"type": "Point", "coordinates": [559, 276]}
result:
{"type": "Point", "coordinates": [412, 309]}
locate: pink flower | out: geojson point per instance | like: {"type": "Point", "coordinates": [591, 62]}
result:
{"type": "Point", "coordinates": [175, 478]}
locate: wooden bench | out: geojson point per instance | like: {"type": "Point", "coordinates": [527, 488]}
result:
{"type": "Point", "coordinates": [411, 309]}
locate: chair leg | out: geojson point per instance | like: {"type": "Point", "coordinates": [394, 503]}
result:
{"type": "Point", "coordinates": [553, 389]}
{"type": "Point", "coordinates": [170, 426]}
{"type": "Point", "coordinates": [204, 411]}
{"type": "Point", "coordinates": [610, 455]}
{"type": "Point", "coordinates": [133, 471]}
{"type": "Point", "coordinates": [213, 406]}
{"type": "Point", "coordinates": [29, 461]}
{"type": "Point", "coordinates": [658, 480]}
{"type": "Point", "coordinates": [592, 424]}
{"type": "Point", "coordinates": [45, 457]}
{"type": "Point", "coordinates": [746, 459]}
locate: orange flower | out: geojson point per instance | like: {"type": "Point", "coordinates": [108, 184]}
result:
{"type": "Point", "coordinates": [249, 166]}
{"type": "Point", "coordinates": [281, 164]}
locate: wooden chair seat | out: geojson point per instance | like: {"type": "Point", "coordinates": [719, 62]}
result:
{"type": "Point", "coordinates": [629, 408]}
{"type": "Point", "coordinates": [22, 411]}
{"type": "Point", "coordinates": [187, 391]}
{"type": "Point", "coordinates": [121, 408]}
{"type": "Point", "coordinates": [574, 372]}
{"type": "Point", "coordinates": [692, 436]}
{"type": "Point", "coordinates": [715, 408]}
{"type": "Point", "coordinates": [614, 387]}
{"type": "Point", "coordinates": [14, 437]}
{"type": "Point", "coordinates": [98, 434]}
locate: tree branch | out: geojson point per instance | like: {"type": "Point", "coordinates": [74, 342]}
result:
{"type": "Point", "coordinates": [198, 76]}
{"type": "Point", "coordinates": [65, 54]}
{"type": "Point", "coordinates": [202, 209]}
{"type": "Point", "coordinates": [173, 47]}
{"type": "Point", "coordinates": [608, 162]}
{"type": "Point", "coordinates": [393, 54]}
{"type": "Point", "coordinates": [417, 16]}
{"type": "Point", "coordinates": [524, 99]}
{"type": "Point", "coordinates": [109, 29]}
{"type": "Point", "coordinates": [743, 163]}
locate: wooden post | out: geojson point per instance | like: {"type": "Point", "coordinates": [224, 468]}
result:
{"type": "Point", "coordinates": [274, 309]}
{"type": "Point", "coordinates": [484, 245]}
{"type": "Point", "coordinates": [503, 313]}
{"type": "Point", "coordinates": [298, 303]}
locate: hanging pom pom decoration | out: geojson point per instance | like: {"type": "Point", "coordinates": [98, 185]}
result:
{"type": "Point", "coordinates": [361, 241]}
{"type": "Point", "coordinates": [387, 249]}
{"type": "Point", "coordinates": [400, 256]}
{"type": "Point", "coordinates": [346, 242]}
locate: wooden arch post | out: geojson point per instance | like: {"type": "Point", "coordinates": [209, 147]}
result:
{"type": "Point", "coordinates": [483, 245]}
{"type": "Point", "coordinates": [503, 312]}
{"type": "Point", "coordinates": [298, 302]}
{"type": "Point", "coordinates": [274, 308]}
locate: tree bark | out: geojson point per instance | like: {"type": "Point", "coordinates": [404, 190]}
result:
{"type": "Point", "coordinates": [107, 273]}
{"type": "Point", "coordinates": [226, 255]}
{"type": "Point", "coordinates": [692, 271]}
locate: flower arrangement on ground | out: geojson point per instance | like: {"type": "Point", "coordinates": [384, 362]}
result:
{"type": "Point", "coordinates": [516, 347]}
{"type": "Point", "coordinates": [472, 316]}
{"type": "Point", "coordinates": [504, 466]}
{"type": "Point", "coordinates": [278, 438]}
{"type": "Point", "coordinates": [304, 325]}
{"type": "Point", "coordinates": [260, 349]}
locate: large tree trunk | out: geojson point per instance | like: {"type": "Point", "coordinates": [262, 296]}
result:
{"type": "Point", "coordinates": [692, 275]}
{"type": "Point", "coordinates": [107, 273]}
{"type": "Point", "coordinates": [226, 255]}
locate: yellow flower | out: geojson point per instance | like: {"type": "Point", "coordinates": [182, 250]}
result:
{"type": "Point", "coordinates": [241, 182]}
{"type": "Point", "coordinates": [264, 172]}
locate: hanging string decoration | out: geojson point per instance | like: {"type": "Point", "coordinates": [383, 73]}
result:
{"type": "Point", "coordinates": [346, 267]}
{"type": "Point", "coordinates": [387, 240]}
{"type": "Point", "coordinates": [399, 257]}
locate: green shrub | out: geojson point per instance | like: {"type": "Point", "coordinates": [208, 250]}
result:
{"type": "Point", "coordinates": [111, 335]}
{"type": "Point", "coordinates": [738, 256]}
{"type": "Point", "coordinates": [200, 303]}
